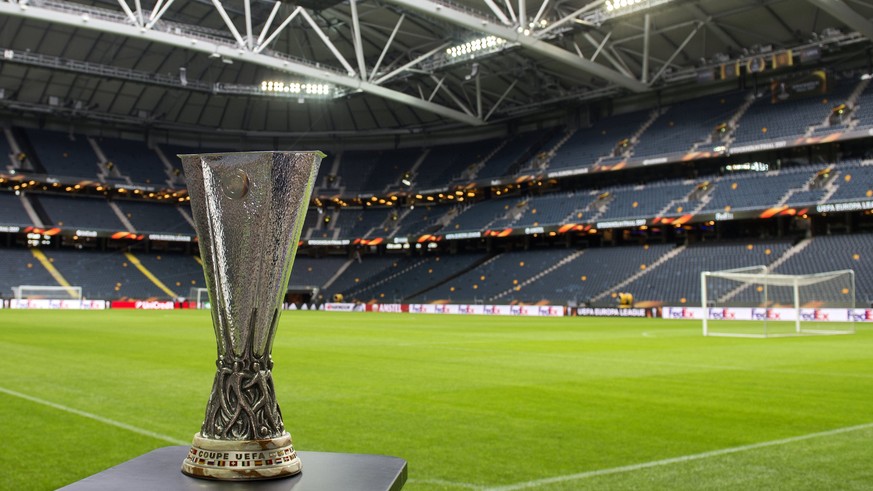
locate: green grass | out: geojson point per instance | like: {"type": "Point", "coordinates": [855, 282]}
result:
{"type": "Point", "coordinates": [470, 402]}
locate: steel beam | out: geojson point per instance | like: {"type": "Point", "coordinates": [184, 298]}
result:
{"type": "Point", "coordinates": [550, 51]}
{"type": "Point", "coordinates": [387, 45]}
{"type": "Point", "coordinates": [647, 29]}
{"type": "Point", "coordinates": [716, 29]}
{"type": "Point", "coordinates": [676, 53]}
{"type": "Point", "coordinates": [845, 14]}
{"type": "Point", "coordinates": [359, 46]}
{"type": "Point", "coordinates": [230, 51]}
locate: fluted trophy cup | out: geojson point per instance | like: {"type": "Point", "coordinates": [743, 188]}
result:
{"type": "Point", "coordinates": [248, 211]}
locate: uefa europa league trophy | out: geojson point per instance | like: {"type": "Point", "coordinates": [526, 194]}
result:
{"type": "Point", "coordinates": [248, 211]}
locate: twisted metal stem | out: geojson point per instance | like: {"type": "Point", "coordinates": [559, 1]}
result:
{"type": "Point", "coordinates": [243, 404]}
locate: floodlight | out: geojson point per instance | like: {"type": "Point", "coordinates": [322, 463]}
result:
{"type": "Point", "coordinates": [480, 44]}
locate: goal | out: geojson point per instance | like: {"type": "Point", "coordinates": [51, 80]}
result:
{"type": "Point", "coordinates": [752, 302]}
{"type": "Point", "coordinates": [201, 296]}
{"type": "Point", "coordinates": [24, 292]}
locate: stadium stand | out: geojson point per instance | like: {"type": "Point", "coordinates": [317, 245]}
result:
{"type": "Point", "coordinates": [62, 154]}
{"type": "Point", "coordinates": [154, 217]}
{"type": "Point", "coordinates": [755, 189]}
{"type": "Point", "coordinates": [178, 272]}
{"type": "Point", "coordinates": [863, 112]}
{"type": "Point", "coordinates": [171, 152]}
{"type": "Point", "coordinates": [80, 212]}
{"type": "Point", "coordinates": [833, 253]}
{"type": "Point", "coordinates": [587, 145]}
{"type": "Point", "coordinates": [686, 124]}
{"type": "Point", "coordinates": [492, 277]}
{"type": "Point", "coordinates": [19, 267]}
{"type": "Point", "coordinates": [390, 167]}
{"type": "Point", "coordinates": [553, 209]}
{"type": "Point", "coordinates": [853, 181]}
{"type": "Point", "coordinates": [592, 272]}
{"type": "Point", "coordinates": [676, 281]}
{"type": "Point", "coordinates": [514, 151]}
{"type": "Point", "coordinates": [135, 160]}
{"type": "Point", "coordinates": [644, 201]}
{"type": "Point", "coordinates": [12, 212]}
{"type": "Point", "coordinates": [6, 157]}
{"type": "Point", "coordinates": [477, 217]}
{"type": "Point", "coordinates": [411, 275]}
{"type": "Point", "coordinates": [766, 120]}
{"type": "Point", "coordinates": [419, 220]}
{"type": "Point", "coordinates": [559, 272]}
{"type": "Point", "coordinates": [103, 275]}
{"type": "Point", "coordinates": [358, 223]}
{"type": "Point", "coordinates": [360, 270]}
{"type": "Point", "coordinates": [308, 271]}
{"type": "Point", "coordinates": [355, 168]}
{"type": "Point", "coordinates": [325, 182]}
{"type": "Point", "coordinates": [446, 163]}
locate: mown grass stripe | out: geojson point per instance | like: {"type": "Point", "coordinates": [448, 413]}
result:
{"type": "Point", "coordinates": [95, 417]}
{"type": "Point", "coordinates": [676, 460]}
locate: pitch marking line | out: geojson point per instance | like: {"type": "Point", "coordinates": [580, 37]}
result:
{"type": "Point", "coordinates": [676, 460]}
{"type": "Point", "coordinates": [95, 417]}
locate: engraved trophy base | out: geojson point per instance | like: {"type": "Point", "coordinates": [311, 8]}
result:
{"type": "Point", "coordinates": [239, 460]}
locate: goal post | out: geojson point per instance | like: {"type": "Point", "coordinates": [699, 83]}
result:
{"type": "Point", "coordinates": [200, 296]}
{"type": "Point", "coordinates": [50, 292]}
{"type": "Point", "coordinates": [752, 302]}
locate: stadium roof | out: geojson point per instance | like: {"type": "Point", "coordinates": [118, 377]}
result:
{"type": "Point", "coordinates": [364, 67]}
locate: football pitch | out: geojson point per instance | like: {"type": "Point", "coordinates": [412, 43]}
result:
{"type": "Point", "coordinates": [471, 402]}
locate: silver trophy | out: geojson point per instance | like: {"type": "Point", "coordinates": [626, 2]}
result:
{"type": "Point", "coordinates": [248, 211]}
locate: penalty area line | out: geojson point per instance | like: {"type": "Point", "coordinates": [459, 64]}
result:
{"type": "Point", "coordinates": [95, 417]}
{"type": "Point", "coordinates": [677, 460]}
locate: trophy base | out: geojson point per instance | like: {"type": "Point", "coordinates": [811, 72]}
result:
{"type": "Point", "coordinates": [241, 460]}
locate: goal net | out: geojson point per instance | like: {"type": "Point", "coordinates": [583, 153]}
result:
{"type": "Point", "coordinates": [200, 296]}
{"type": "Point", "coordinates": [26, 292]}
{"type": "Point", "coordinates": [752, 302]}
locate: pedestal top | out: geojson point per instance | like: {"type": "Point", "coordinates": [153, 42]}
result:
{"type": "Point", "coordinates": [322, 471]}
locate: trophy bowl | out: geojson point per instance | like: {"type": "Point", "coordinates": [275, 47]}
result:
{"type": "Point", "coordinates": [248, 211]}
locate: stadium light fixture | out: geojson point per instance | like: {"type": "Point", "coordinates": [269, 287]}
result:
{"type": "Point", "coordinates": [620, 4]}
{"type": "Point", "coordinates": [616, 8]}
{"type": "Point", "coordinates": [487, 43]}
{"type": "Point", "coordinates": [311, 89]}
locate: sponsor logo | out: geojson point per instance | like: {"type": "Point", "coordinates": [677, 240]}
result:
{"type": "Point", "coordinates": [849, 206]}
{"type": "Point", "coordinates": [153, 305]}
{"type": "Point", "coordinates": [86, 233]}
{"type": "Point", "coordinates": [660, 160]}
{"type": "Point", "coordinates": [328, 242]}
{"type": "Point", "coordinates": [387, 307]}
{"type": "Point", "coordinates": [609, 312]}
{"type": "Point", "coordinates": [464, 235]}
{"type": "Point", "coordinates": [168, 237]}
{"type": "Point", "coordinates": [814, 315]}
{"type": "Point", "coordinates": [339, 307]}
{"type": "Point", "coordinates": [722, 314]}
{"type": "Point", "coordinates": [534, 230]}
{"type": "Point", "coordinates": [622, 223]}
{"type": "Point", "coordinates": [759, 146]}
{"type": "Point", "coordinates": [680, 313]}
{"type": "Point", "coordinates": [568, 172]}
